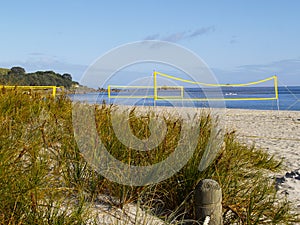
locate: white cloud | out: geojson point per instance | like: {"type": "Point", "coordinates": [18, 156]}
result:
{"type": "Point", "coordinates": [181, 35]}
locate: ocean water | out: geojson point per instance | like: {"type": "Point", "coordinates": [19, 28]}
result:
{"type": "Point", "coordinates": [288, 98]}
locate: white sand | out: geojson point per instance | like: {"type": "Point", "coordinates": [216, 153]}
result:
{"type": "Point", "coordinates": [278, 132]}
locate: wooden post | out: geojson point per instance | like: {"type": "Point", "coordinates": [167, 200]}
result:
{"type": "Point", "coordinates": [208, 202]}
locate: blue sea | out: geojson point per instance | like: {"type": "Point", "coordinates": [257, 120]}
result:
{"type": "Point", "coordinates": [288, 98]}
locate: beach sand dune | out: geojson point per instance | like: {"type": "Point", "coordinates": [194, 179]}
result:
{"type": "Point", "coordinates": [278, 133]}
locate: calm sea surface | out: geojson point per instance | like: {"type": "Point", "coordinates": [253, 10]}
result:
{"type": "Point", "coordinates": [289, 98]}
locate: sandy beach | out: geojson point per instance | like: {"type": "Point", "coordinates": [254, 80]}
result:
{"type": "Point", "coordinates": [278, 133]}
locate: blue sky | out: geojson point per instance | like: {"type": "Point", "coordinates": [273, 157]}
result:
{"type": "Point", "coordinates": [240, 41]}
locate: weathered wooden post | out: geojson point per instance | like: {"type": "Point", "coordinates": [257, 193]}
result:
{"type": "Point", "coordinates": [208, 202]}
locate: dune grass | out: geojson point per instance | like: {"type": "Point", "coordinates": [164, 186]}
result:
{"type": "Point", "coordinates": [44, 179]}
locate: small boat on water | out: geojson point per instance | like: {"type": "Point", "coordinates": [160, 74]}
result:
{"type": "Point", "coordinates": [231, 93]}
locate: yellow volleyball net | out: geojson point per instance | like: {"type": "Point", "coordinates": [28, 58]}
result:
{"type": "Point", "coordinates": [171, 88]}
{"type": "Point", "coordinates": [266, 89]}
{"type": "Point", "coordinates": [30, 89]}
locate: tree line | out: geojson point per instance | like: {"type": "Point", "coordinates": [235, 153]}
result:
{"type": "Point", "coordinates": [18, 76]}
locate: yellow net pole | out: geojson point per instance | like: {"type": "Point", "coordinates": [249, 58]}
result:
{"type": "Point", "coordinates": [155, 88]}
{"type": "Point", "coordinates": [276, 91]}
{"type": "Point", "coordinates": [108, 91]}
{"type": "Point", "coordinates": [276, 86]}
{"type": "Point", "coordinates": [155, 85]}
{"type": "Point", "coordinates": [54, 91]}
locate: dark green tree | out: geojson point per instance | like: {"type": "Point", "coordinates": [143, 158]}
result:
{"type": "Point", "coordinates": [67, 76]}
{"type": "Point", "coordinates": [18, 76]}
{"type": "Point", "coordinates": [17, 70]}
